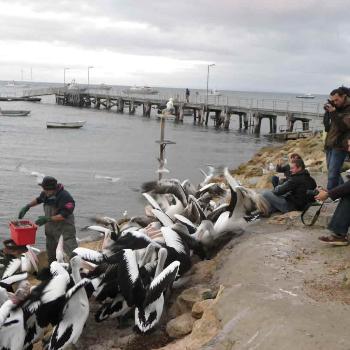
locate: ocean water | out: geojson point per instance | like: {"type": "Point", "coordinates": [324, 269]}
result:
{"type": "Point", "coordinates": [104, 164]}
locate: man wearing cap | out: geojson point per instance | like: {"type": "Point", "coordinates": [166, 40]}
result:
{"type": "Point", "coordinates": [58, 219]}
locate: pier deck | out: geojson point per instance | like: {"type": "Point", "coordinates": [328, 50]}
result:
{"type": "Point", "coordinates": [250, 111]}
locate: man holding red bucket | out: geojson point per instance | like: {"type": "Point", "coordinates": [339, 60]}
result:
{"type": "Point", "coordinates": [58, 219]}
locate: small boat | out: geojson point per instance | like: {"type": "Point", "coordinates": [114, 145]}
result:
{"type": "Point", "coordinates": [214, 93]}
{"type": "Point", "coordinates": [14, 85]}
{"type": "Point", "coordinates": [144, 90]}
{"type": "Point", "coordinates": [13, 113]}
{"type": "Point", "coordinates": [305, 96]}
{"type": "Point", "coordinates": [66, 125]}
{"type": "Point", "coordinates": [104, 87]}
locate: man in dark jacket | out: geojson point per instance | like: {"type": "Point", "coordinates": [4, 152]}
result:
{"type": "Point", "coordinates": [58, 219]}
{"type": "Point", "coordinates": [292, 194]}
{"type": "Point", "coordinates": [285, 169]}
{"type": "Point", "coordinates": [338, 111]}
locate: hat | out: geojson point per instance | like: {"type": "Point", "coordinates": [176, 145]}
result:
{"type": "Point", "coordinates": [48, 183]}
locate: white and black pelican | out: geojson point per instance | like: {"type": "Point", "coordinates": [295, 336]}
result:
{"type": "Point", "coordinates": [75, 311]}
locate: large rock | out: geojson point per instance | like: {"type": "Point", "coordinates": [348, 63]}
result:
{"type": "Point", "coordinates": [200, 306]}
{"type": "Point", "coordinates": [180, 326]}
{"type": "Point", "coordinates": [189, 297]}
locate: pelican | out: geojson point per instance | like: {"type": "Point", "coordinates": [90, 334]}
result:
{"type": "Point", "coordinates": [12, 329]}
{"type": "Point", "coordinates": [75, 311]}
{"type": "Point", "coordinates": [149, 311]}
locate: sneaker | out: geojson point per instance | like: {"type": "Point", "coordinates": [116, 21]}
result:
{"type": "Point", "coordinates": [334, 240]}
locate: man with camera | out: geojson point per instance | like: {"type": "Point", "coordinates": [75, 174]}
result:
{"type": "Point", "coordinates": [292, 194]}
{"type": "Point", "coordinates": [337, 125]}
{"type": "Point", "coordinates": [340, 221]}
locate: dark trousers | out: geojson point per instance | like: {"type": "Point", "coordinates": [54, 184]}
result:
{"type": "Point", "coordinates": [335, 159]}
{"type": "Point", "coordinates": [340, 221]}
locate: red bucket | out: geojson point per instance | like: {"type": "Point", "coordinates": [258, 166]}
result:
{"type": "Point", "coordinates": [23, 232]}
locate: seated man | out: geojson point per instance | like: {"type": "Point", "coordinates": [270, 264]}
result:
{"type": "Point", "coordinates": [283, 169]}
{"type": "Point", "coordinates": [292, 194]}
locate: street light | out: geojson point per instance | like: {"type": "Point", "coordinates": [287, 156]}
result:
{"type": "Point", "coordinates": [89, 74]}
{"type": "Point", "coordinates": [64, 75]}
{"type": "Point", "coordinates": [209, 65]}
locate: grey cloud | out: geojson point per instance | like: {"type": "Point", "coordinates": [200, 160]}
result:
{"type": "Point", "coordinates": [257, 40]}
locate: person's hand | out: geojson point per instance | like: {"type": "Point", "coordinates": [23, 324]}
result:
{"type": "Point", "coordinates": [23, 211]}
{"type": "Point", "coordinates": [42, 220]}
{"type": "Point", "coordinates": [329, 108]}
{"type": "Point", "coordinates": [322, 195]}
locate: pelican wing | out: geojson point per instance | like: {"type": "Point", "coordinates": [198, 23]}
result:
{"type": "Point", "coordinates": [89, 254]}
{"type": "Point", "coordinates": [188, 223]}
{"type": "Point", "coordinates": [12, 267]}
{"type": "Point", "coordinates": [233, 183]}
{"type": "Point", "coordinates": [100, 229]}
{"type": "Point", "coordinates": [160, 283]}
{"type": "Point", "coordinates": [233, 201]}
{"type": "Point", "coordinates": [128, 276]}
{"type": "Point", "coordinates": [151, 201]}
{"type": "Point", "coordinates": [84, 282]}
{"type": "Point", "coordinates": [173, 240]}
{"type": "Point", "coordinates": [213, 216]}
{"type": "Point", "coordinates": [132, 240]}
{"type": "Point", "coordinates": [5, 311]}
{"type": "Point", "coordinates": [14, 278]}
{"type": "Point", "coordinates": [162, 217]}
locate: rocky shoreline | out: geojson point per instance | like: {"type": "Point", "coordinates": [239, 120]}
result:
{"type": "Point", "coordinates": [256, 288]}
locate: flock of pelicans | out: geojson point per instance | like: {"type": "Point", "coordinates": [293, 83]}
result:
{"type": "Point", "coordinates": [140, 261]}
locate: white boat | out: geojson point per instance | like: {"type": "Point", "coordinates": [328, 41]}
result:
{"type": "Point", "coordinates": [14, 85]}
{"type": "Point", "coordinates": [144, 90]}
{"type": "Point", "coordinates": [66, 125]}
{"type": "Point", "coordinates": [104, 87]}
{"type": "Point", "coordinates": [214, 93]}
{"type": "Point", "coordinates": [305, 96]}
{"type": "Point", "coordinates": [13, 113]}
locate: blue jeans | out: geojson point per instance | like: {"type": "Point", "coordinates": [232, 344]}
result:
{"type": "Point", "coordinates": [335, 159]}
{"type": "Point", "coordinates": [340, 221]}
{"type": "Point", "coordinates": [277, 203]}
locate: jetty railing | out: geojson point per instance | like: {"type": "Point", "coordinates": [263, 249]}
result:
{"type": "Point", "coordinates": [278, 106]}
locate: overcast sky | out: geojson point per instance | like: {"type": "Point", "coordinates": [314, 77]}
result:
{"type": "Point", "coordinates": [256, 45]}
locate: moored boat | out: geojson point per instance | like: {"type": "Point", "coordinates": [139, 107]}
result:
{"type": "Point", "coordinates": [305, 96]}
{"type": "Point", "coordinates": [66, 125]}
{"type": "Point", "coordinates": [144, 90]}
{"type": "Point", "coordinates": [13, 113]}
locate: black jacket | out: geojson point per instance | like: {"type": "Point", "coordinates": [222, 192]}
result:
{"type": "Point", "coordinates": [295, 188]}
{"type": "Point", "coordinates": [62, 200]}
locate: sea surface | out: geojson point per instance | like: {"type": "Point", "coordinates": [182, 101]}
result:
{"type": "Point", "coordinates": [104, 163]}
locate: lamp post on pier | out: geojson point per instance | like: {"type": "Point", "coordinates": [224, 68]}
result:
{"type": "Point", "coordinates": [64, 75]}
{"type": "Point", "coordinates": [209, 65]}
{"type": "Point", "coordinates": [90, 67]}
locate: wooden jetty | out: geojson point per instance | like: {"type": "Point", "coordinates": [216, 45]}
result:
{"type": "Point", "coordinates": [220, 109]}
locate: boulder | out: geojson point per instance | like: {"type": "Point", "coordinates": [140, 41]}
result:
{"type": "Point", "coordinates": [180, 326]}
{"type": "Point", "coordinates": [189, 297]}
{"type": "Point", "coordinates": [200, 306]}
